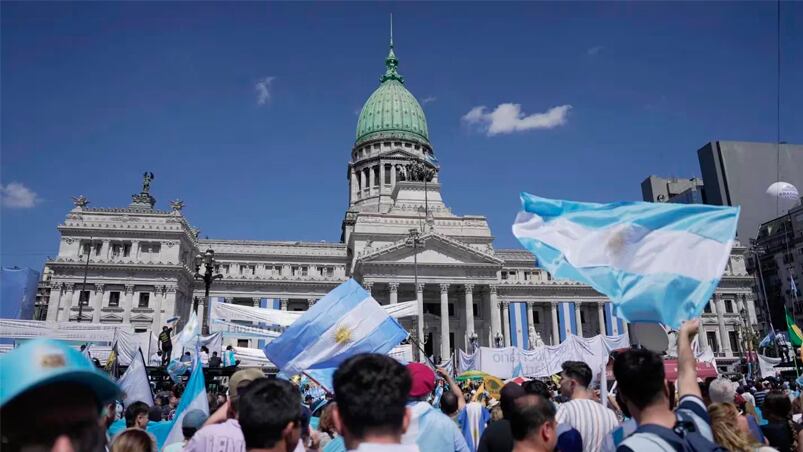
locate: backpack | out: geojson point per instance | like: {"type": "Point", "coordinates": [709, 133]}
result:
{"type": "Point", "coordinates": [683, 437]}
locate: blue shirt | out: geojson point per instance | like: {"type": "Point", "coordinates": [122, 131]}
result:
{"type": "Point", "coordinates": [433, 431]}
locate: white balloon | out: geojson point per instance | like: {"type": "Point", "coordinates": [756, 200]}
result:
{"type": "Point", "coordinates": [783, 190]}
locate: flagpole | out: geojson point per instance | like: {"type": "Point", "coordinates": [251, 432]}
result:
{"type": "Point", "coordinates": [316, 382]}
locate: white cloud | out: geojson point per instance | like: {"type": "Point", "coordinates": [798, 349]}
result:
{"type": "Point", "coordinates": [508, 118]}
{"type": "Point", "coordinates": [263, 87]}
{"type": "Point", "coordinates": [594, 50]}
{"type": "Point", "coordinates": [428, 99]}
{"type": "Point", "coordinates": [18, 196]}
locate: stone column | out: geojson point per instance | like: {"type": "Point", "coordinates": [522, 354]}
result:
{"type": "Point", "coordinates": [392, 175]}
{"type": "Point", "coordinates": [723, 333]}
{"type": "Point", "coordinates": [283, 303]}
{"type": "Point", "coordinates": [128, 303]}
{"type": "Point", "coordinates": [371, 178]}
{"type": "Point", "coordinates": [353, 182]}
{"type": "Point", "coordinates": [751, 311]}
{"type": "Point", "coordinates": [445, 342]}
{"type": "Point", "coordinates": [469, 311]}
{"type": "Point", "coordinates": [496, 322]}
{"type": "Point", "coordinates": [159, 295]}
{"type": "Point", "coordinates": [381, 176]}
{"type": "Point", "coordinates": [363, 182]}
{"type": "Point", "coordinates": [369, 286]}
{"type": "Point", "coordinates": [579, 319]}
{"type": "Point", "coordinates": [55, 302]}
{"type": "Point", "coordinates": [601, 317]}
{"type": "Point", "coordinates": [530, 321]}
{"type": "Point", "coordinates": [97, 302]}
{"type": "Point", "coordinates": [555, 327]}
{"type": "Point", "coordinates": [419, 296]}
{"type": "Point", "coordinates": [702, 338]}
{"type": "Point", "coordinates": [169, 305]}
{"type": "Point", "coordinates": [394, 292]}
{"type": "Point", "coordinates": [506, 321]}
{"type": "Point", "coordinates": [64, 314]}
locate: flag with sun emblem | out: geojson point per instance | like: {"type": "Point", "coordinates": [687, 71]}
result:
{"type": "Point", "coordinates": [657, 262]}
{"type": "Point", "coordinates": [344, 323]}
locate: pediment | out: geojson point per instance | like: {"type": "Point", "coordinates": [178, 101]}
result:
{"type": "Point", "coordinates": [111, 318]}
{"type": "Point", "coordinates": [400, 153]}
{"type": "Point", "coordinates": [435, 249]}
{"type": "Point", "coordinates": [141, 318]}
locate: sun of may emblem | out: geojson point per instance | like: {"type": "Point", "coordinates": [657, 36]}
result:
{"type": "Point", "coordinates": [342, 334]}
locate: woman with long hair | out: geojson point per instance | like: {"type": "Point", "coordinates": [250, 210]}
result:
{"type": "Point", "coordinates": [728, 433]}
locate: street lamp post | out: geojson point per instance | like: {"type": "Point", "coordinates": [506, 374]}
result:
{"type": "Point", "coordinates": [83, 286]}
{"type": "Point", "coordinates": [208, 261]}
{"type": "Point", "coordinates": [414, 239]}
{"type": "Point", "coordinates": [757, 252]}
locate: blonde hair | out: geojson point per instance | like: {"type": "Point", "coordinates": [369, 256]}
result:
{"type": "Point", "coordinates": [725, 424]}
{"type": "Point", "coordinates": [133, 440]}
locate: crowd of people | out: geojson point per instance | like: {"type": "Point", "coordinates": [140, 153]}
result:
{"type": "Point", "coordinates": [53, 398]}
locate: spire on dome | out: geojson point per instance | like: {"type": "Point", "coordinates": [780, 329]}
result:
{"type": "Point", "coordinates": [391, 62]}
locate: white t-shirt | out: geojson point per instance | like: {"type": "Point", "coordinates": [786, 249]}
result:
{"type": "Point", "coordinates": [590, 418]}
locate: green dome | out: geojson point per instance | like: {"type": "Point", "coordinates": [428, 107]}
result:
{"type": "Point", "coordinates": [392, 111]}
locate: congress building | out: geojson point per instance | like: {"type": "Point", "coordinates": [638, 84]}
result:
{"type": "Point", "coordinates": [399, 239]}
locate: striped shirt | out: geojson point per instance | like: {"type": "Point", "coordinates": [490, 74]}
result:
{"type": "Point", "coordinates": [590, 418]}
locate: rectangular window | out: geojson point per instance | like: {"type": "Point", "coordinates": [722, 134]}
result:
{"type": "Point", "coordinates": [330, 271]}
{"type": "Point", "coordinates": [734, 340]}
{"type": "Point", "coordinates": [144, 298]}
{"type": "Point", "coordinates": [294, 270]}
{"type": "Point", "coordinates": [476, 309]}
{"type": "Point", "coordinates": [388, 169]}
{"type": "Point", "coordinates": [114, 299]}
{"type": "Point", "coordinates": [140, 330]}
{"type": "Point", "coordinates": [451, 310]}
{"type": "Point", "coordinates": [304, 271]}
{"type": "Point", "coordinates": [707, 308]}
{"type": "Point", "coordinates": [117, 249]}
{"type": "Point", "coordinates": [729, 306]}
{"type": "Point", "coordinates": [504, 275]}
{"type": "Point", "coordinates": [126, 249]}
{"type": "Point", "coordinates": [98, 246]}
{"type": "Point", "coordinates": [536, 316]}
{"type": "Point", "coordinates": [86, 247]}
{"type": "Point", "coordinates": [583, 317]}
{"type": "Point", "coordinates": [712, 341]}
{"type": "Point", "coordinates": [242, 267]}
{"type": "Point", "coordinates": [225, 268]}
{"type": "Point", "coordinates": [83, 298]}
{"type": "Point", "coordinates": [376, 176]}
{"type": "Point", "coordinates": [242, 343]}
{"type": "Point", "coordinates": [252, 269]}
{"type": "Point", "coordinates": [277, 270]}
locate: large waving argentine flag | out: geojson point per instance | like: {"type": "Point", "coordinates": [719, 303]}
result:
{"type": "Point", "coordinates": [345, 322]}
{"type": "Point", "coordinates": [657, 262]}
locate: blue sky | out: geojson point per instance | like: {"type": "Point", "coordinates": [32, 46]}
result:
{"type": "Point", "coordinates": [94, 94]}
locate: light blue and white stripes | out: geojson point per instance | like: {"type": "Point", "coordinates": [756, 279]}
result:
{"type": "Point", "coordinates": [519, 330]}
{"type": "Point", "coordinates": [345, 322]}
{"type": "Point", "coordinates": [657, 262]}
{"type": "Point", "coordinates": [567, 320]}
{"type": "Point", "coordinates": [267, 303]}
{"type": "Point", "coordinates": [614, 326]}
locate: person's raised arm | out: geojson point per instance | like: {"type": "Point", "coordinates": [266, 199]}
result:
{"type": "Point", "coordinates": [687, 364]}
{"type": "Point", "coordinates": [461, 401]}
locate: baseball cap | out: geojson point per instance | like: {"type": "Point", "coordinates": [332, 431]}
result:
{"type": "Point", "coordinates": [194, 419]}
{"type": "Point", "coordinates": [41, 362]}
{"type": "Point", "coordinates": [243, 376]}
{"type": "Point", "coordinates": [423, 379]}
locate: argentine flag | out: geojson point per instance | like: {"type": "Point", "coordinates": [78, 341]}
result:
{"type": "Point", "coordinates": [193, 398]}
{"type": "Point", "coordinates": [657, 262]}
{"type": "Point", "coordinates": [346, 322]}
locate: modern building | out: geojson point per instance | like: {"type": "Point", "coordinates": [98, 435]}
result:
{"type": "Point", "coordinates": [676, 190]}
{"type": "Point", "coordinates": [777, 260]}
{"type": "Point", "coordinates": [399, 238]}
{"type": "Point", "coordinates": [738, 173]}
